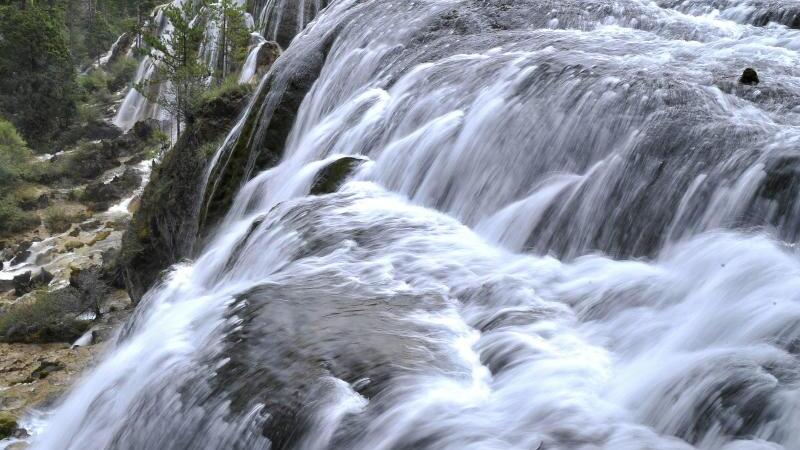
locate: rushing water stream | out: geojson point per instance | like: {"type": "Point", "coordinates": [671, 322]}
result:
{"type": "Point", "coordinates": [575, 230]}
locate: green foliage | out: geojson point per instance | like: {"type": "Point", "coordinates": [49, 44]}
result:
{"type": "Point", "coordinates": [50, 317]}
{"type": "Point", "coordinates": [15, 163]}
{"type": "Point", "coordinates": [227, 86]}
{"type": "Point", "coordinates": [234, 36]}
{"type": "Point", "coordinates": [15, 157]}
{"type": "Point", "coordinates": [37, 76]}
{"type": "Point", "coordinates": [99, 34]}
{"type": "Point", "coordinates": [13, 219]}
{"type": "Point", "coordinates": [179, 77]}
{"type": "Point", "coordinates": [58, 220]}
{"type": "Point", "coordinates": [121, 73]}
{"type": "Point", "coordinates": [8, 425]}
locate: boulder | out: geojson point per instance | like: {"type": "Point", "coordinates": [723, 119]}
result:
{"type": "Point", "coordinates": [89, 225]}
{"type": "Point", "coordinates": [22, 284]}
{"type": "Point", "coordinates": [749, 77]}
{"type": "Point", "coordinates": [100, 236]}
{"type": "Point", "coordinates": [267, 54]}
{"type": "Point", "coordinates": [27, 281]}
{"type": "Point", "coordinates": [72, 245]}
{"type": "Point", "coordinates": [120, 48]}
{"type": "Point", "coordinates": [42, 278]}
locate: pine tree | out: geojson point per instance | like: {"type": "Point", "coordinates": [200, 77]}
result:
{"type": "Point", "coordinates": [179, 75]}
{"type": "Point", "coordinates": [37, 75]}
{"type": "Point", "coordinates": [234, 36]}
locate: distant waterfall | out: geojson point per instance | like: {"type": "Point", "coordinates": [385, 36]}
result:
{"type": "Point", "coordinates": [136, 107]}
{"type": "Point", "coordinates": [570, 227]}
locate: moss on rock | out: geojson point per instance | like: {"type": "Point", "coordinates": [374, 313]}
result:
{"type": "Point", "coordinates": [8, 425]}
{"type": "Point", "coordinates": [164, 228]}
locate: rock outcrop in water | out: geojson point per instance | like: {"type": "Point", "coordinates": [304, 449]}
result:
{"type": "Point", "coordinates": [749, 77]}
{"type": "Point", "coordinates": [331, 177]}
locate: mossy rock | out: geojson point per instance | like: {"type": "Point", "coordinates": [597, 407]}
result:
{"type": "Point", "coordinates": [164, 227]}
{"type": "Point", "coordinates": [8, 425]}
{"type": "Point", "coordinates": [72, 245]}
{"type": "Point", "coordinates": [331, 177]}
{"type": "Point", "coordinates": [100, 236]}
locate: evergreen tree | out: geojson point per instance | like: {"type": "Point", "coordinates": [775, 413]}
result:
{"type": "Point", "coordinates": [179, 77]}
{"type": "Point", "coordinates": [37, 76]}
{"type": "Point", "coordinates": [234, 36]}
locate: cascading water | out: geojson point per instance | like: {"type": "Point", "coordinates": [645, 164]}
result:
{"type": "Point", "coordinates": [282, 19]}
{"type": "Point", "coordinates": [135, 106]}
{"type": "Point", "coordinates": [416, 308]}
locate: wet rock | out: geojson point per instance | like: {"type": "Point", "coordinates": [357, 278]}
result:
{"type": "Point", "coordinates": [749, 77]}
{"type": "Point", "coordinates": [44, 370]}
{"type": "Point", "coordinates": [135, 159]}
{"type": "Point", "coordinates": [88, 338]}
{"type": "Point", "coordinates": [42, 278]}
{"type": "Point", "coordinates": [782, 174]}
{"type": "Point", "coordinates": [26, 282]}
{"type": "Point", "coordinates": [89, 225]}
{"type": "Point", "coordinates": [99, 195]}
{"type": "Point", "coordinates": [164, 227]}
{"type": "Point", "coordinates": [267, 54]}
{"type": "Point", "coordinates": [22, 284]}
{"type": "Point", "coordinates": [331, 177]}
{"type": "Point", "coordinates": [75, 232]}
{"type": "Point", "coordinates": [120, 48]}
{"type": "Point", "coordinates": [45, 256]}
{"type": "Point", "coordinates": [22, 253]}
{"type": "Point", "coordinates": [134, 205]}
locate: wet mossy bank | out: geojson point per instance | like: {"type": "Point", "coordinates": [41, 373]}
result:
{"type": "Point", "coordinates": [165, 227]}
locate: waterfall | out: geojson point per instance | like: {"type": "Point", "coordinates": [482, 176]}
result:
{"type": "Point", "coordinates": [574, 229]}
{"type": "Point", "coordinates": [251, 63]}
{"type": "Point", "coordinates": [283, 19]}
{"type": "Point", "coordinates": [135, 106]}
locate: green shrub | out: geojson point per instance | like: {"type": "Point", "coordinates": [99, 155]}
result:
{"type": "Point", "coordinates": [121, 73]}
{"type": "Point", "coordinates": [13, 219]}
{"type": "Point", "coordinates": [15, 157]}
{"type": "Point", "coordinates": [49, 317]}
{"type": "Point", "coordinates": [228, 86]}
{"type": "Point", "coordinates": [57, 220]}
{"type": "Point", "coordinates": [93, 82]}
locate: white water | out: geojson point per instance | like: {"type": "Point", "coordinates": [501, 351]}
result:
{"type": "Point", "coordinates": [251, 63]}
{"type": "Point", "coordinates": [417, 307]}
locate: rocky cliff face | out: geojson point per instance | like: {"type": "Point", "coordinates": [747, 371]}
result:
{"type": "Point", "coordinates": [165, 228]}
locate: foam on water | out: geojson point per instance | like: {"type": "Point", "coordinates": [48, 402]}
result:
{"type": "Point", "coordinates": [576, 230]}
